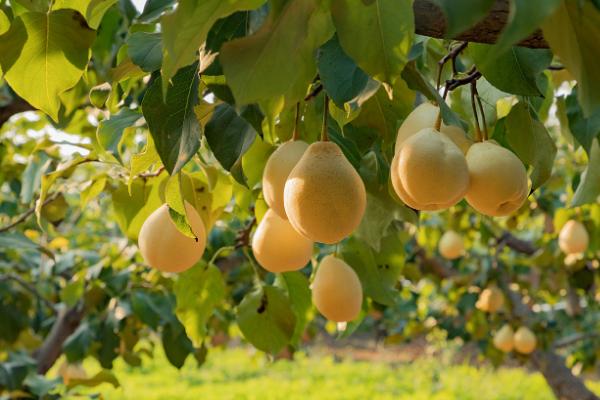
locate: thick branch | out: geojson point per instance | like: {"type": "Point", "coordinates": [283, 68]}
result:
{"type": "Point", "coordinates": [430, 21]}
{"type": "Point", "coordinates": [66, 323]}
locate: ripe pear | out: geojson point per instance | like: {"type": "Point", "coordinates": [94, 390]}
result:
{"type": "Point", "coordinates": [490, 299]}
{"type": "Point", "coordinates": [278, 168]}
{"type": "Point", "coordinates": [504, 339]}
{"type": "Point", "coordinates": [425, 116]}
{"type": "Point", "coordinates": [278, 247]}
{"type": "Point", "coordinates": [451, 245]}
{"type": "Point", "coordinates": [498, 179]}
{"type": "Point", "coordinates": [336, 290]}
{"type": "Point", "coordinates": [324, 197]}
{"type": "Point", "coordinates": [525, 341]}
{"type": "Point", "coordinates": [573, 238]}
{"type": "Point", "coordinates": [165, 248]}
{"type": "Point", "coordinates": [429, 172]}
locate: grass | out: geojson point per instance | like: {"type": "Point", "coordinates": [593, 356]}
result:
{"type": "Point", "coordinates": [240, 374]}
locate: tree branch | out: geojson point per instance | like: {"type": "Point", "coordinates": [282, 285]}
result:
{"type": "Point", "coordinates": [431, 21]}
{"type": "Point", "coordinates": [30, 288]}
{"type": "Point", "coordinates": [23, 217]}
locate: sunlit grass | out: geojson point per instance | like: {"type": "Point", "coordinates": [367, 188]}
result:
{"type": "Point", "coordinates": [242, 374]}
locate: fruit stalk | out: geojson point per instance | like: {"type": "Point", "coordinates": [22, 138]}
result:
{"type": "Point", "coordinates": [324, 135]}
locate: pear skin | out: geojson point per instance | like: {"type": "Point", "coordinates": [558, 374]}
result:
{"type": "Point", "coordinates": [573, 238]}
{"type": "Point", "coordinates": [451, 245]}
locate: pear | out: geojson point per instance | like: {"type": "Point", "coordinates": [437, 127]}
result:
{"type": "Point", "coordinates": [451, 245]}
{"type": "Point", "coordinates": [165, 248]}
{"type": "Point", "coordinates": [573, 238]}
{"type": "Point", "coordinates": [525, 341]}
{"type": "Point", "coordinates": [324, 197]}
{"type": "Point", "coordinates": [490, 300]}
{"type": "Point", "coordinates": [55, 210]}
{"type": "Point", "coordinates": [504, 339]}
{"type": "Point", "coordinates": [429, 172]}
{"type": "Point", "coordinates": [71, 371]}
{"type": "Point", "coordinates": [498, 179]}
{"type": "Point", "coordinates": [425, 116]}
{"type": "Point", "coordinates": [278, 168]}
{"type": "Point", "coordinates": [336, 290]}
{"type": "Point", "coordinates": [278, 247]}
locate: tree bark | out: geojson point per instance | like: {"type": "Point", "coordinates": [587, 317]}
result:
{"type": "Point", "coordinates": [66, 323]}
{"type": "Point", "coordinates": [430, 21]}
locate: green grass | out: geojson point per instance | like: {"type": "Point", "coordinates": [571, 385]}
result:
{"type": "Point", "coordinates": [242, 374]}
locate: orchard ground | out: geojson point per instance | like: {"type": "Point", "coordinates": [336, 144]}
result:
{"type": "Point", "coordinates": [325, 372]}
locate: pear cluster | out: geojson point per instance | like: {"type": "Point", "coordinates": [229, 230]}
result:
{"type": "Point", "coordinates": [434, 169]}
{"type": "Point", "coordinates": [314, 195]}
{"type": "Point", "coordinates": [573, 238]}
{"type": "Point", "coordinates": [522, 340]}
{"type": "Point", "coordinates": [164, 247]}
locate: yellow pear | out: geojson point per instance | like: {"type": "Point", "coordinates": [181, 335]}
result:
{"type": "Point", "coordinates": [429, 172]}
{"type": "Point", "coordinates": [324, 196]}
{"type": "Point", "coordinates": [71, 371]}
{"type": "Point", "coordinates": [525, 341]}
{"type": "Point", "coordinates": [490, 299]}
{"type": "Point", "coordinates": [504, 339]}
{"type": "Point", "coordinates": [451, 245]}
{"type": "Point", "coordinates": [278, 168]}
{"type": "Point", "coordinates": [498, 179]}
{"type": "Point", "coordinates": [336, 290]}
{"type": "Point", "coordinates": [573, 238]}
{"type": "Point", "coordinates": [165, 248]}
{"type": "Point", "coordinates": [278, 247]}
{"type": "Point", "coordinates": [424, 116]}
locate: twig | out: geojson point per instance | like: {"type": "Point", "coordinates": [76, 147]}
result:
{"type": "Point", "coordinates": [472, 75]}
{"type": "Point", "coordinates": [556, 67]}
{"type": "Point", "coordinates": [243, 237]}
{"type": "Point", "coordinates": [23, 217]}
{"type": "Point", "coordinates": [324, 133]}
{"type": "Point", "coordinates": [296, 134]}
{"type": "Point", "coordinates": [30, 288]}
{"type": "Point", "coordinates": [154, 174]}
{"type": "Point", "coordinates": [572, 339]}
{"type": "Point", "coordinates": [452, 55]}
{"type": "Point", "coordinates": [314, 93]}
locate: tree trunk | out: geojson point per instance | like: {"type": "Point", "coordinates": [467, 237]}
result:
{"type": "Point", "coordinates": [563, 383]}
{"type": "Point", "coordinates": [66, 323]}
{"type": "Point", "coordinates": [430, 21]}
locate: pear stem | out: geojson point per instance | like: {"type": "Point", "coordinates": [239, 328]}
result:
{"type": "Point", "coordinates": [296, 134]}
{"type": "Point", "coordinates": [485, 130]}
{"type": "Point", "coordinates": [478, 137]}
{"type": "Point", "coordinates": [324, 135]}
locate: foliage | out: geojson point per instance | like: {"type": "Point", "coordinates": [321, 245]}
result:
{"type": "Point", "coordinates": [186, 100]}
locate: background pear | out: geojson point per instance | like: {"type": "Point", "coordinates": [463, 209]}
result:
{"type": "Point", "coordinates": [425, 116]}
{"type": "Point", "coordinates": [490, 299]}
{"type": "Point", "coordinates": [429, 172]}
{"type": "Point", "coordinates": [525, 341]}
{"type": "Point", "coordinates": [278, 168]}
{"type": "Point", "coordinates": [278, 247]}
{"type": "Point", "coordinates": [165, 248]}
{"type": "Point", "coordinates": [498, 179]}
{"type": "Point", "coordinates": [504, 339]}
{"type": "Point", "coordinates": [324, 197]}
{"type": "Point", "coordinates": [573, 238]}
{"type": "Point", "coordinates": [336, 290]}
{"type": "Point", "coordinates": [451, 245]}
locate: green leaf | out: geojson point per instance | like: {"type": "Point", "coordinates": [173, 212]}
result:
{"type": "Point", "coordinates": [266, 319]}
{"type": "Point", "coordinates": [228, 135]}
{"type": "Point", "coordinates": [93, 190]}
{"type": "Point", "coordinates": [72, 292]}
{"type": "Point", "coordinates": [141, 162]}
{"type": "Point", "coordinates": [152, 308]}
{"type": "Point", "coordinates": [198, 291]}
{"type": "Point", "coordinates": [583, 129]}
{"type": "Point", "coordinates": [378, 281]}
{"type": "Point", "coordinates": [588, 190]}
{"type": "Point", "coordinates": [185, 29]}
{"type": "Point", "coordinates": [4, 22]}
{"type": "Point", "coordinates": [102, 376]}
{"type": "Point", "coordinates": [386, 34]}
{"type": "Point", "coordinates": [99, 94]}
{"type": "Point", "coordinates": [53, 48]}
{"type": "Point", "coordinates": [110, 131]}
{"type": "Point", "coordinates": [524, 17]}
{"type": "Point", "coordinates": [530, 140]}
{"type": "Point", "coordinates": [572, 34]}
{"type": "Point", "coordinates": [277, 63]}
{"type": "Point", "coordinates": [416, 81]}
{"type": "Point", "coordinates": [299, 294]}
{"type": "Point", "coordinates": [176, 344]}
{"type": "Point", "coordinates": [31, 178]}
{"type": "Point", "coordinates": [463, 14]}
{"type": "Point", "coordinates": [517, 71]}
{"type": "Point", "coordinates": [16, 240]}
{"type": "Point", "coordinates": [173, 125]}
{"type": "Point", "coordinates": [379, 214]}
{"type": "Point", "coordinates": [342, 79]}
{"type": "Point", "coordinates": [154, 8]}
{"type": "Point", "coordinates": [177, 210]}
{"type": "Point", "coordinates": [92, 10]}
{"type": "Point", "coordinates": [77, 345]}
{"type": "Point", "coordinates": [145, 50]}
